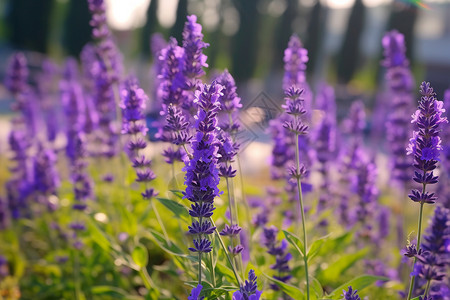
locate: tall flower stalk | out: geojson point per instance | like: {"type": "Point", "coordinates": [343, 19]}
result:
{"type": "Point", "coordinates": [202, 176]}
{"type": "Point", "coordinates": [400, 82]}
{"type": "Point", "coordinates": [294, 108]}
{"type": "Point", "coordinates": [425, 146]}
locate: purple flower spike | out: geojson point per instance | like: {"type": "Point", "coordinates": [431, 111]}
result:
{"type": "Point", "coordinates": [248, 291]}
{"type": "Point", "coordinates": [195, 293]}
{"type": "Point", "coordinates": [282, 257]}
{"type": "Point", "coordinates": [202, 176]}
{"type": "Point", "coordinates": [194, 59]}
{"type": "Point", "coordinates": [295, 59]}
{"type": "Point", "coordinates": [133, 124]}
{"type": "Point", "coordinates": [17, 74]}
{"type": "Point", "coordinates": [425, 145]}
{"type": "Point", "coordinates": [400, 82]}
{"type": "Point", "coordinates": [351, 294]}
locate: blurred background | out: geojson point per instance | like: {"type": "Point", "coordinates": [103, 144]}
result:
{"type": "Point", "coordinates": [248, 37]}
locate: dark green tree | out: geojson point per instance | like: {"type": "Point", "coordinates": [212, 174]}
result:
{"type": "Point", "coordinates": [283, 32]}
{"type": "Point", "coordinates": [177, 29]}
{"type": "Point", "coordinates": [245, 42]}
{"type": "Point", "coordinates": [403, 18]}
{"type": "Point", "coordinates": [349, 54]}
{"type": "Point", "coordinates": [150, 27]}
{"type": "Point", "coordinates": [314, 37]}
{"type": "Point", "coordinates": [28, 23]}
{"type": "Point", "coordinates": [77, 31]}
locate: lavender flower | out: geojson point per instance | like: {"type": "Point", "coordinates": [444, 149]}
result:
{"type": "Point", "coordinates": [19, 187]}
{"type": "Point", "coordinates": [435, 258]}
{"type": "Point", "coordinates": [194, 59]}
{"type": "Point", "coordinates": [295, 59]}
{"type": "Point", "coordinates": [248, 291]}
{"type": "Point", "coordinates": [4, 214]}
{"type": "Point", "coordinates": [106, 71]}
{"type": "Point", "coordinates": [133, 105]}
{"type": "Point", "coordinates": [17, 74]}
{"type": "Point", "coordinates": [351, 294]}
{"type": "Point", "coordinates": [202, 176]}
{"type": "Point", "coordinates": [230, 103]}
{"type": "Point", "coordinates": [170, 91]}
{"type": "Point", "coordinates": [195, 293]}
{"type": "Point", "coordinates": [324, 141]}
{"type": "Point", "coordinates": [282, 257]}
{"type": "Point", "coordinates": [4, 268]}
{"type": "Point", "coordinates": [400, 82]}
{"type": "Point", "coordinates": [351, 159]}
{"type": "Point", "coordinates": [425, 146]}
{"type": "Point", "coordinates": [46, 178]}
{"type": "Point", "coordinates": [76, 148]}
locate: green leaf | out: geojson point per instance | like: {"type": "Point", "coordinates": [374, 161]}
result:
{"type": "Point", "coordinates": [287, 288]}
{"type": "Point", "coordinates": [140, 256]}
{"type": "Point", "coordinates": [161, 241]}
{"type": "Point", "coordinates": [178, 209]}
{"type": "Point", "coordinates": [316, 287]}
{"type": "Point", "coordinates": [336, 244]}
{"type": "Point", "coordinates": [316, 246]}
{"type": "Point", "coordinates": [98, 236]}
{"type": "Point", "coordinates": [178, 193]}
{"type": "Point", "coordinates": [294, 241]}
{"type": "Point", "coordinates": [335, 270]}
{"type": "Point", "coordinates": [223, 270]}
{"type": "Point", "coordinates": [112, 291]}
{"type": "Point", "coordinates": [357, 283]}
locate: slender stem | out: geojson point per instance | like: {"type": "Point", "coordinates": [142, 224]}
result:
{"type": "Point", "coordinates": [76, 274]}
{"type": "Point", "coordinates": [302, 212]}
{"type": "Point", "coordinates": [427, 289]}
{"type": "Point", "coordinates": [419, 235]}
{"type": "Point", "coordinates": [174, 175]}
{"type": "Point", "coordinates": [148, 282]}
{"type": "Point", "coordinates": [158, 218]}
{"type": "Point", "coordinates": [226, 253]}
{"type": "Point", "coordinates": [213, 273]}
{"type": "Point", "coordinates": [199, 267]}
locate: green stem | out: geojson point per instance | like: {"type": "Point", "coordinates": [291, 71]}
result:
{"type": "Point", "coordinates": [76, 274]}
{"type": "Point", "coordinates": [213, 273]}
{"type": "Point", "coordinates": [199, 267]}
{"type": "Point", "coordinates": [222, 244]}
{"type": "Point", "coordinates": [158, 218]}
{"type": "Point", "coordinates": [148, 282]}
{"type": "Point", "coordinates": [419, 235]}
{"type": "Point", "coordinates": [302, 212]}
{"type": "Point", "coordinates": [427, 289]}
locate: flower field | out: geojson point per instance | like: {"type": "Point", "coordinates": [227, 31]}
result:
{"type": "Point", "coordinates": [112, 191]}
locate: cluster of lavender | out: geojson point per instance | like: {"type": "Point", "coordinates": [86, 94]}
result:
{"type": "Point", "coordinates": [444, 189]}
{"type": "Point", "coordinates": [351, 294]}
{"type": "Point", "coordinates": [425, 146]}
{"type": "Point", "coordinates": [350, 160]}
{"type": "Point", "coordinates": [180, 70]}
{"type": "Point", "coordinates": [106, 69]}
{"type": "Point", "coordinates": [249, 290]}
{"type": "Point", "coordinates": [434, 258]}
{"type": "Point", "coordinates": [401, 83]}
{"type": "Point", "coordinates": [76, 148]}
{"type": "Point", "coordinates": [18, 187]}
{"type": "Point", "coordinates": [228, 149]}
{"type": "Point", "coordinates": [133, 105]}
{"type": "Point", "coordinates": [283, 153]}
{"type": "Point", "coordinates": [324, 142]}
{"type": "Point", "coordinates": [281, 254]}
